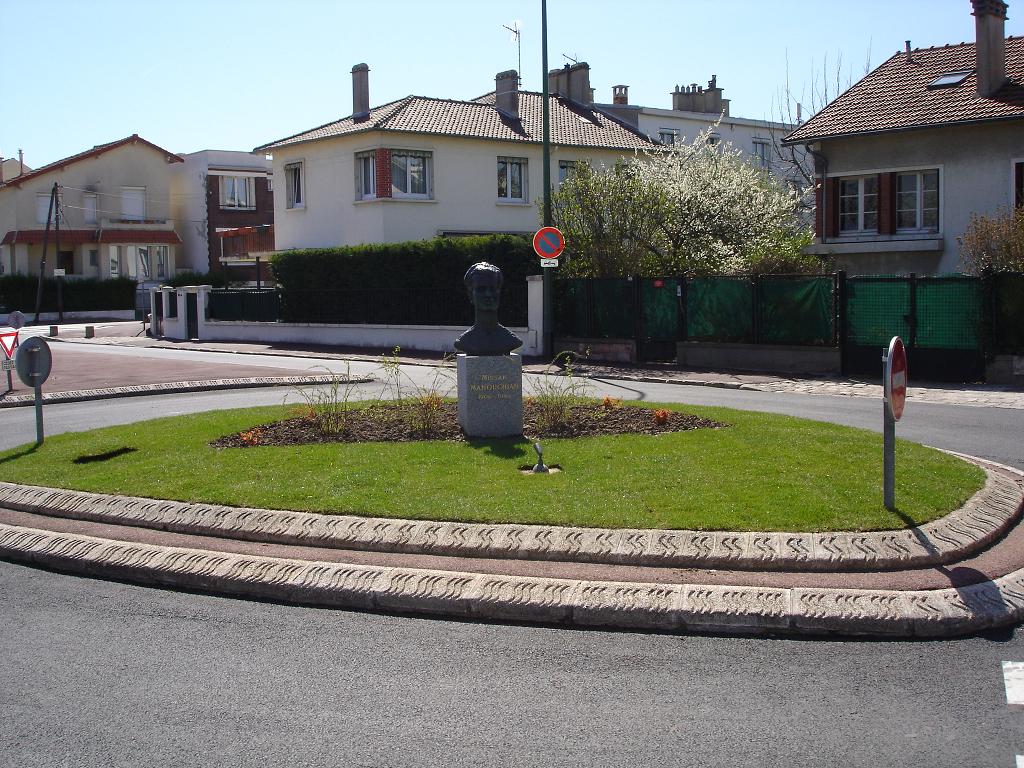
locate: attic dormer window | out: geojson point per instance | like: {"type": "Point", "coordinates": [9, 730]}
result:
{"type": "Point", "coordinates": [948, 80]}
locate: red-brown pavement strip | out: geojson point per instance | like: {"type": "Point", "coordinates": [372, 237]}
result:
{"type": "Point", "coordinates": [1005, 556]}
{"type": "Point", "coordinates": [76, 369]}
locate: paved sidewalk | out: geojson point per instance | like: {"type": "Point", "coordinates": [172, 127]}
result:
{"type": "Point", "coordinates": [294, 359]}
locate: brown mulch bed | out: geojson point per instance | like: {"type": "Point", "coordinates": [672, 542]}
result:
{"type": "Point", "coordinates": [391, 423]}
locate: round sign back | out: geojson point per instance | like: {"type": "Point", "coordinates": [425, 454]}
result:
{"type": "Point", "coordinates": [33, 361]}
{"type": "Point", "coordinates": [895, 378]}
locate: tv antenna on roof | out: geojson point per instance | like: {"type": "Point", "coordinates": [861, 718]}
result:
{"type": "Point", "coordinates": [517, 37]}
{"type": "Point", "coordinates": [570, 58]}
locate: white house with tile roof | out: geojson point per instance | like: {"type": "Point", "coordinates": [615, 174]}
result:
{"type": "Point", "coordinates": [909, 153]}
{"type": "Point", "coordinates": [115, 214]}
{"type": "Point", "coordinates": [421, 167]}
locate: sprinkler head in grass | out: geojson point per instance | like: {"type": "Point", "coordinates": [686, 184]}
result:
{"type": "Point", "coordinates": [539, 467]}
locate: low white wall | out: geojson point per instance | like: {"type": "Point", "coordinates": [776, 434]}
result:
{"type": "Point", "coordinates": [429, 338]}
{"type": "Point", "coordinates": [110, 314]}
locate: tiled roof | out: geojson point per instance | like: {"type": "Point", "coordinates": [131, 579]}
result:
{"type": "Point", "coordinates": [895, 96]}
{"type": "Point", "coordinates": [99, 149]}
{"type": "Point", "coordinates": [572, 124]}
{"type": "Point", "coordinates": [35, 236]}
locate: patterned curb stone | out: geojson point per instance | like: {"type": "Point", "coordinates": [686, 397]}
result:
{"type": "Point", "coordinates": [983, 519]}
{"type": "Point", "coordinates": [80, 395]}
{"type": "Point", "coordinates": [677, 608]}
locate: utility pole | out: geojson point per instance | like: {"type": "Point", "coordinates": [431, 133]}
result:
{"type": "Point", "coordinates": [46, 243]}
{"type": "Point", "coordinates": [549, 280]}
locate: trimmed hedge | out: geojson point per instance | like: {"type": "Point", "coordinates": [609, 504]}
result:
{"type": "Point", "coordinates": [417, 282]}
{"type": "Point", "coordinates": [437, 263]}
{"type": "Point", "coordinates": [85, 295]}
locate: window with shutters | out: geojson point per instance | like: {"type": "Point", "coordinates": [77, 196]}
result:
{"type": "Point", "coordinates": [133, 203]}
{"type": "Point", "coordinates": [917, 201]}
{"type": "Point", "coordinates": [858, 204]}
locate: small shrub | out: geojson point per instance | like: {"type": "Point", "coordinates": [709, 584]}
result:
{"type": "Point", "coordinates": [660, 416]}
{"type": "Point", "coordinates": [611, 403]}
{"type": "Point", "coordinates": [554, 396]}
{"type": "Point", "coordinates": [330, 408]}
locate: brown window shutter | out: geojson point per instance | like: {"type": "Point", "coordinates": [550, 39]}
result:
{"type": "Point", "coordinates": [832, 208]}
{"type": "Point", "coordinates": [887, 203]}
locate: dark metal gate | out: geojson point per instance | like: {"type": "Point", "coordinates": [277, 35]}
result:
{"type": "Point", "coordinates": [938, 318]}
{"type": "Point", "coordinates": [192, 315]}
{"type": "Point", "coordinates": [657, 330]}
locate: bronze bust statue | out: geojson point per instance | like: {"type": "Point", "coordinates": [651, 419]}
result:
{"type": "Point", "coordinates": [487, 337]}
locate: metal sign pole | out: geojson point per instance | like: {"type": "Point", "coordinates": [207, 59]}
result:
{"type": "Point", "coordinates": [39, 412]}
{"type": "Point", "coordinates": [889, 458]}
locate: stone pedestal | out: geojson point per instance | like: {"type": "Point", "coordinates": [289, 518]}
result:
{"type": "Point", "coordinates": [491, 395]}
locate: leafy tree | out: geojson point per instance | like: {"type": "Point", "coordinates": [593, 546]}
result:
{"type": "Point", "coordinates": [994, 243]}
{"type": "Point", "coordinates": [694, 208]}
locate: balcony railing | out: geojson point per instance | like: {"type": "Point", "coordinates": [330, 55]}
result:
{"type": "Point", "coordinates": [246, 242]}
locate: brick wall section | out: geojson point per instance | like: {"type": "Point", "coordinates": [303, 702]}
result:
{"type": "Point", "coordinates": [218, 218]}
{"type": "Point", "coordinates": [383, 163]}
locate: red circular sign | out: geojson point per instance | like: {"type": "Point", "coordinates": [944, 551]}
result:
{"type": "Point", "coordinates": [548, 243]}
{"type": "Point", "coordinates": [896, 377]}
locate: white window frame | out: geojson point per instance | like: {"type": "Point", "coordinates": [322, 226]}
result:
{"type": "Point", "coordinates": [42, 208]}
{"type": "Point", "coordinates": [94, 257]}
{"type": "Point", "coordinates": [428, 164]}
{"type": "Point", "coordinates": [231, 200]}
{"type": "Point", "coordinates": [295, 181]}
{"type": "Point", "coordinates": [161, 260]}
{"type": "Point", "coordinates": [762, 151]}
{"type": "Point", "coordinates": [860, 198]}
{"type": "Point", "coordinates": [509, 162]}
{"type": "Point", "coordinates": [366, 175]}
{"type": "Point", "coordinates": [89, 208]}
{"type": "Point", "coordinates": [126, 214]}
{"type": "Point", "coordinates": [918, 192]}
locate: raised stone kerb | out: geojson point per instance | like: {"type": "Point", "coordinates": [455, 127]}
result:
{"type": "Point", "coordinates": [974, 526]}
{"type": "Point", "coordinates": [687, 607]}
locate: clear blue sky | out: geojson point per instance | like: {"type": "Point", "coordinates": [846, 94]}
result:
{"type": "Point", "coordinates": [193, 75]}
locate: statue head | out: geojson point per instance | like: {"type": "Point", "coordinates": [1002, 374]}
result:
{"type": "Point", "coordinates": [483, 283]}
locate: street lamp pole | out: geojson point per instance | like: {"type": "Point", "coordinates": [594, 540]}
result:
{"type": "Point", "coordinates": [548, 284]}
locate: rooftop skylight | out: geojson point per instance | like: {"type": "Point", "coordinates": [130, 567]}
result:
{"type": "Point", "coordinates": [949, 79]}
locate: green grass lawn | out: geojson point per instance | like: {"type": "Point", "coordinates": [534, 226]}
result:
{"type": "Point", "coordinates": [763, 472]}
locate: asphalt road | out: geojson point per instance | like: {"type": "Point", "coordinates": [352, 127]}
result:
{"type": "Point", "coordinates": [96, 673]}
{"type": "Point", "coordinates": [103, 674]}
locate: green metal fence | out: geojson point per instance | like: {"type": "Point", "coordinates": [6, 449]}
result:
{"type": "Point", "coordinates": [263, 306]}
{"type": "Point", "coordinates": [781, 309]}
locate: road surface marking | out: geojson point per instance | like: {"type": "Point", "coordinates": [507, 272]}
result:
{"type": "Point", "coordinates": [1013, 678]}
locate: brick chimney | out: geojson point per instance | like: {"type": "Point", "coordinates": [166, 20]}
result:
{"type": "Point", "coordinates": [620, 94]}
{"type": "Point", "coordinates": [360, 90]}
{"type": "Point", "coordinates": [506, 93]}
{"type": "Point", "coordinates": [990, 44]}
{"type": "Point", "coordinates": [572, 81]}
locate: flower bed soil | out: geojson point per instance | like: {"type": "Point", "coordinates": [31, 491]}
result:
{"type": "Point", "coordinates": [439, 421]}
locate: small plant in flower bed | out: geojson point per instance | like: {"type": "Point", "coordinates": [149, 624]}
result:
{"type": "Point", "coordinates": [434, 418]}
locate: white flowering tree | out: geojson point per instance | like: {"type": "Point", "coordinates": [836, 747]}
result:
{"type": "Point", "coordinates": [694, 208]}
